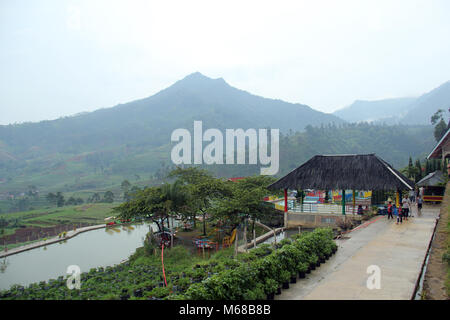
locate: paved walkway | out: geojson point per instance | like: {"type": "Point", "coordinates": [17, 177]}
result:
{"type": "Point", "coordinates": [398, 250]}
{"type": "Point", "coordinates": [70, 234]}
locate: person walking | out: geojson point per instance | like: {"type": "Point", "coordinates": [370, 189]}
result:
{"type": "Point", "coordinates": [390, 210]}
{"type": "Point", "coordinates": [405, 204]}
{"type": "Point", "coordinates": [419, 205]}
{"type": "Point", "coordinates": [400, 214]}
{"type": "Point", "coordinates": [412, 196]}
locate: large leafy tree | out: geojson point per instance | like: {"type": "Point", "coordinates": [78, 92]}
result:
{"type": "Point", "coordinates": [157, 203]}
{"type": "Point", "coordinates": [203, 190]}
{"type": "Point", "coordinates": [246, 201]}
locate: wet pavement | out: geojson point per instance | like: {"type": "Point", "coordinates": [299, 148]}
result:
{"type": "Point", "coordinates": [397, 250]}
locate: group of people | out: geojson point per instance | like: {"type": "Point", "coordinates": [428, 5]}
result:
{"type": "Point", "coordinates": [403, 210]}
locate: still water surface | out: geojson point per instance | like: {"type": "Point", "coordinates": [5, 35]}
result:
{"type": "Point", "coordinates": [101, 247]}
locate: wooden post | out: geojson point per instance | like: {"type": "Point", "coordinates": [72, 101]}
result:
{"type": "Point", "coordinates": [343, 202]}
{"type": "Point", "coordinates": [354, 201]}
{"type": "Point", "coordinates": [236, 244]}
{"type": "Point", "coordinates": [299, 229]}
{"type": "Point", "coordinates": [285, 201]}
{"type": "Point", "coordinates": [397, 198]}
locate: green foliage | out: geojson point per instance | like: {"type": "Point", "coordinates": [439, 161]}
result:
{"type": "Point", "coordinates": [219, 278]}
{"type": "Point", "coordinates": [108, 197]}
{"type": "Point", "coordinates": [440, 126]}
{"type": "Point", "coordinates": [263, 274]}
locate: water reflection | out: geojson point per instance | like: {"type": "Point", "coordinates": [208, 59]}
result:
{"type": "Point", "coordinates": [87, 250]}
{"type": "Point", "coordinates": [3, 265]}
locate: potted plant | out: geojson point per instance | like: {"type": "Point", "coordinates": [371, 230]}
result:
{"type": "Point", "coordinates": [302, 268]}
{"type": "Point", "coordinates": [270, 287]}
{"type": "Point", "coordinates": [284, 278]}
{"type": "Point", "coordinates": [294, 278]}
{"type": "Point", "coordinates": [313, 261]}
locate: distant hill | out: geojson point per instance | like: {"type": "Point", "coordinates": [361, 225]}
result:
{"type": "Point", "coordinates": [150, 121]}
{"type": "Point", "coordinates": [421, 110]}
{"type": "Point", "coordinates": [96, 151]}
{"type": "Point", "coordinates": [409, 111]}
{"type": "Point", "coordinates": [389, 110]}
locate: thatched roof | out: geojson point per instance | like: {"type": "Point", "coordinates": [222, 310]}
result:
{"type": "Point", "coordinates": [337, 172]}
{"type": "Point", "coordinates": [433, 179]}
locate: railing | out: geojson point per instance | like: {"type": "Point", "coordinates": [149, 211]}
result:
{"type": "Point", "coordinates": [324, 208]}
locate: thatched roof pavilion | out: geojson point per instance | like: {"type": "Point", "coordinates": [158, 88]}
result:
{"type": "Point", "coordinates": [335, 172]}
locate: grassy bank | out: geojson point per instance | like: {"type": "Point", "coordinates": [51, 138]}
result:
{"type": "Point", "coordinates": [252, 275]}
{"type": "Point", "coordinates": [29, 226]}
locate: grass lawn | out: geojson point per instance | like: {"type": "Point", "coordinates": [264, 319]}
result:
{"type": "Point", "coordinates": [93, 213]}
{"type": "Point", "coordinates": [87, 214]}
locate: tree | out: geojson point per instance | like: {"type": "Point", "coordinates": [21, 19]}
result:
{"type": "Point", "coordinates": [156, 203]}
{"type": "Point", "coordinates": [440, 125]}
{"type": "Point", "coordinates": [245, 202]}
{"type": "Point", "coordinates": [418, 171]}
{"type": "Point", "coordinates": [440, 129]}
{"type": "Point", "coordinates": [95, 197]}
{"type": "Point", "coordinates": [59, 199]}
{"type": "Point", "coordinates": [71, 201]}
{"type": "Point", "coordinates": [108, 197]}
{"type": "Point", "coordinates": [427, 167]}
{"type": "Point", "coordinates": [125, 185]}
{"type": "Point", "coordinates": [203, 189]}
{"type": "Point", "coordinates": [51, 198]}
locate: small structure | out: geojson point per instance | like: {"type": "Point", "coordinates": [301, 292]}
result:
{"type": "Point", "coordinates": [344, 172]}
{"type": "Point", "coordinates": [442, 150]}
{"type": "Point", "coordinates": [434, 186]}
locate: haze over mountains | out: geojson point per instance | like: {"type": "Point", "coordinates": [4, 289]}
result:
{"type": "Point", "coordinates": [406, 110]}
{"type": "Point", "coordinates": [99, 149]}
{"type": "Point", "coordinates": [150, 121]}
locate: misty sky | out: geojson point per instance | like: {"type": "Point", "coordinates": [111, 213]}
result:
{"type": "Point", "coordinates": [61, 57]}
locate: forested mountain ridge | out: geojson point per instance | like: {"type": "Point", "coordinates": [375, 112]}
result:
{"type": "Point", "coordinates": [399, 110]}
{"type": "Point", "coordinates": [386, 110]}
{"type": "Point", "coordinates": [96, 151]}
{"type": "Point", "coordinates": [150, 121]}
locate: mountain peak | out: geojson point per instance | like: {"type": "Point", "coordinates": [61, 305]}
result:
{"type": "Point", "coordinates": [198, 80]}
{"type": "Point", "coordinates": [196, 75]}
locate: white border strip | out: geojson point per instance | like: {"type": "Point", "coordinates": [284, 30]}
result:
{"type": "Point", "coordinates": [399, 177]}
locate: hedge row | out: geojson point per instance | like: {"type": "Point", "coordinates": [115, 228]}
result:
{"type": "Point", "coordinates": [264, 271]}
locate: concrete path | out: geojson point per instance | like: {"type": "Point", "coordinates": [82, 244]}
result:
{"type": "Point", "coordinates": [398, 250]}
{"type": "Point", "coordinates": [70, 234]}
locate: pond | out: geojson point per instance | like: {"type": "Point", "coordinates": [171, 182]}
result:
{"type": "Point", "coordinates": [101, 247]}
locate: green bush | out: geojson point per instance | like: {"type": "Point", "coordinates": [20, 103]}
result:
{"type": "Point", "coordinates": [252, 276]}
{"type": "Point", "coordinates": [263, 270]}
